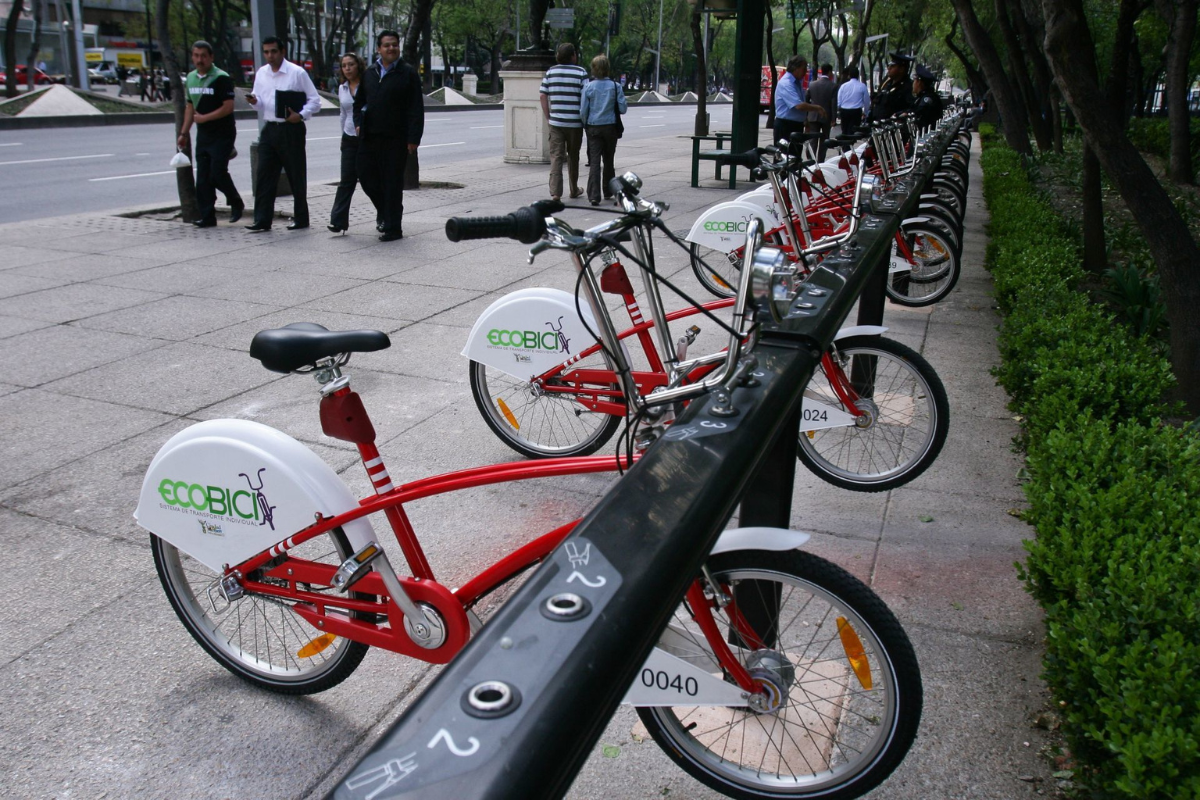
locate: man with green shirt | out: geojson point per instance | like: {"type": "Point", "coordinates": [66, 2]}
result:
{"type": "Point", "coordinates": [209, 93]}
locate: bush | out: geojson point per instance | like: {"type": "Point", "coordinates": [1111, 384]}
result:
{"type": "Point", "coordinates": [1115, 498]}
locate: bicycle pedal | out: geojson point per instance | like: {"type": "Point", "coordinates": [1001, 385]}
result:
{"type": "Point", "coordinates": [355, 567]}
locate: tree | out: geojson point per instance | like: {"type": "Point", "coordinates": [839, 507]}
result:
{"type": "Point", "coordinates": [1012, 114]}
{"type": "Point", "coordinates": [35, 41]}
{"type": "Point", "coordinates": [10, 49]}
{"type": "Point", "coordinates": [1070, 50]}
{"type": "Point", "coordinates": [1181, 16]}
{"type": "Point", "coordinates": [185, 180]}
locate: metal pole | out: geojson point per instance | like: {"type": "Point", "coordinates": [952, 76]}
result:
{"type": "Point", "coordinates": [82, 81]}
{"type": "Point", "coordinates": [518, 30]}
{"type": "Point", "coordinates": [658, 52]}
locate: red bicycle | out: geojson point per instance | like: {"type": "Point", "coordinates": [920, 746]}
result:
{"type": "Point", "coordinates": [283, 583]}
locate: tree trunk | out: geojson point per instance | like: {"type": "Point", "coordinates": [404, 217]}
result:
{"type": "Point", "coordinates": [1071, 52]}
{"type": "Point", "coordinates": [1180, 15]}
{"type": "Point", "coordinates": [770, 123]}
{"type": "Point", "coordinates": [10, 49]}
{"type": "Point", "coordinates": [1012, 114]}
{"type": "Point", "coordinates": [184, 179]}
{"type": "Point", "coordinates": [975, 78]}
{"type": "Point", "coordinates": [860, 35]}
{"type": "Point", "coordinates": [1095, 253]}
{"type": "Point", "coordinates": [1117, 85]}
{"type": "Point", "coordinates": [1031, 33]}
{"type": "Point", "coordinates": [1020, 74]}
{"type": "Point", "coordinates": [35, 43]}
{"type": "Point", "coordinates": [701, 127]}
{"type": "Point", "coordinates": [421, 11]}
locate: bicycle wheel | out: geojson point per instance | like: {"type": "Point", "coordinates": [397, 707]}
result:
{"type": "Point", "coordinates": [934, 272]}
{"type": "Point", "coordinates": [907, 417]}
{"type": "Point", "coordinates": [717, 272]}
{"type": "Point", "coordinates": [846, 675]}
{"type": "Point", "coordinates": [255, 637]}
{"type": "Point", "coordinates": [537, 423]}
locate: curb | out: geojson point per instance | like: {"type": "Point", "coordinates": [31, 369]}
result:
{"type": "Point", "coordinates": [160, 117]}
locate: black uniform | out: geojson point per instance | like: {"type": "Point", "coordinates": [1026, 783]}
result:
{"type": "Point", "coordinates": [390, 115]}
{"type": "Point", "coordinates": [214, 142]}
{"type": "Point", "coordinates": [895, 99]}
{"type": "Point", "coordinates": [928, 108]}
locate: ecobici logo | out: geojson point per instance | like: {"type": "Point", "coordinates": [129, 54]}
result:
{"type": "Point", "coordinates": [553, 340]}
{"type": "Point", "coordinates": [726, 226]}
{"type": "Point", "coordinates": [238, 506]}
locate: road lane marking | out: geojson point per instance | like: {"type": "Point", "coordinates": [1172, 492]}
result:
{"type": "Point", "coordinates": [443, 144]}
{"type": "Point", "coordinates": [485, 127]}
{"type": "Point", "coordinates": [11, 144]}
{"type": "Point", "coordinates": [141, 154]}
{"type": "Point", "coordinates": [662, 125]}
{"type": "Point", "coordinates": [63, 158]}
{"type": "Point", "coordinates": [322, 138]}
{"type": "Point", "coordinates": [139, 175]}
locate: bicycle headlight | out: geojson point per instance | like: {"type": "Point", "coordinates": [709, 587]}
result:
{"type": "Point", "coordinates": [771, 282]}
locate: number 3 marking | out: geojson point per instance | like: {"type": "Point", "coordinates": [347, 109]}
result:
{"type": "Point", "coordinates": [600, 581]}
{"type": "Point", "coordinates": [710, 424]}
{"type": "Point", "coordinates": [461, 752]}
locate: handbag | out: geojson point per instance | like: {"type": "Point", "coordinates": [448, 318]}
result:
{"type": "Point", "coordinates": [617, 112]}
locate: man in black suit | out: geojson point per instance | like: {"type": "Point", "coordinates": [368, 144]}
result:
{"type": "Point", "coordinates": [390, 116]}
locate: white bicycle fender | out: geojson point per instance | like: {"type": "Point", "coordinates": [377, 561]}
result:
{"type": "Point", "coordinates": [768, 209]}
{"type": "Point", "coordinates": [860, 330]}
{"type": "Point", "coordinates": [913, 221]}
{"type": "Point", "coordinates": [723, 227]}
{"type": "Point", "coordinates": [759, 539]}
{"type": "Point", "coordinates": [530, 331]}
{"type": "Point", "coordinates": [226, 489]}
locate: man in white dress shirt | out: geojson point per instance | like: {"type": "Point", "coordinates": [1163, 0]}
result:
{"type": "Point", "coordinates": [281, 141]}
{"type": "Point", "coordinates": [853, 101]}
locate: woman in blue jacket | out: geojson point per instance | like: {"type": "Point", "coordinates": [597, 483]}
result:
{"type": "Point", "coordinates": [602, 103]}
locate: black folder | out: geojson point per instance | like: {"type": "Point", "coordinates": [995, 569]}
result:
{"type": "Point", "coordinates": [285, 101]}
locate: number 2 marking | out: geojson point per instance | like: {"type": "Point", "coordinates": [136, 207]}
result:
{"type": "Point", "coordinates": [461, 752]}
{"type": "Point", "coordinates": [600, 581]}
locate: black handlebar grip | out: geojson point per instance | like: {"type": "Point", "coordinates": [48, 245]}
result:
{"type": "Point", "coordinates": [525, 225]}
{"type": "Point", "coordinates": [749, 159]}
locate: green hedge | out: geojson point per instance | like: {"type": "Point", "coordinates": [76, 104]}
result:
{"type": "Point", "coordinates": [1115, 498]}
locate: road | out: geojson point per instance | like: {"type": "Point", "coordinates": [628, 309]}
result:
{"type": "Point", "coordinates": [56, 171]}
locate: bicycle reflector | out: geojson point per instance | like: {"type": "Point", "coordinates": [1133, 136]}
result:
{"type": "Point", "coordinates": [507, 412]}
{"type": "Point", "coordinates": [315, 646]}
{"type": "Point", "coordinates": [855, 653]}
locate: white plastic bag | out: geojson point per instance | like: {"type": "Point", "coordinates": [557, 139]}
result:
{"type": "Point", "coordinates": [180, 160]}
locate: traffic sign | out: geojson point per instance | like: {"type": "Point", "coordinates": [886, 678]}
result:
{"type": "Point", "coordinates": [560, 17]}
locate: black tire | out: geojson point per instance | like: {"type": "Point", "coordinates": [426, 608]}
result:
{"type": "Point", "coordinates": [717, 272]}
{"type": "Point", "coordinates": [936, 220]}
{"type": "Point", "coordinates": [933, 276]}
{"type": "Point", "coordinates": [257, 638]}
{"type": "Point", "coordinates": [546, 425]}
{"type": "Point", "coordinates": [832, 737]}
{"type": "Point", "coordinates": [909, 422]}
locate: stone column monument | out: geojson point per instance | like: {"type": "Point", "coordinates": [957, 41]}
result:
{"type": "Point", "coordinates": [526, 131]}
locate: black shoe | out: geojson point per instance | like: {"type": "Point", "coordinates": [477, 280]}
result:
{"type": "Point", "coordinates": [594, 202]}
{"type": "Point", "coordinates": [391, 237]}
{"type": "Point", "coordinates": [379, 226]}
{"type": "Point", "coordinates": [256, 228]}
{"type": "Point", "coordinates": [335, 229]}
{"type": "Point", "coordinates": [296, 226]}
{"type": "Point", "coordinates": [235, 211]}
{"type": "Point", "coordinates": [205, 223]}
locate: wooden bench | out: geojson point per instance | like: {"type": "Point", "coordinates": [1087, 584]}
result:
{"type": "Point", "coordinates": [722, 138]}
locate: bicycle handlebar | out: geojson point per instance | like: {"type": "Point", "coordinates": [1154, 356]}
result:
{"type": "Point", "coordinates": [749, 159]}
{"type": "Point", "coordinates": [526, 225]}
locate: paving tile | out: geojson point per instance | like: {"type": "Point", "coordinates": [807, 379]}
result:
{"type": "Point", "coordinates": [178, 318]}
{"type": "Point", "coordinates": [56, 430]}
{"type": "Point", "coordinates": [172, 278]}
{"type": "Point", "coordinates": [393, 300]}
{"type": "Point", "coordinates": [176, 379]}
{"type": "Point", "coordinates": [46, 354]}
{"type": "Point", "coordinates": [17, 256]}
{"type": "Point", "coordinates": [14, 284]}
{"type": "Point", "coordinates": [77, 301]}
{"type": "Point", "coordinates": [84, 268]}
{"type": "Point", "coordinates": [237, 337]}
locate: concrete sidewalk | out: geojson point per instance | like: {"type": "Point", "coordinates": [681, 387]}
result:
{"type": "Point", "coordinates": [118, 332]}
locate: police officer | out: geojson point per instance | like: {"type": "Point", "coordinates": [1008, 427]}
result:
{"type": "Point", "coordinates": [927, 106]}
{"type": "Point", "coordinates": [894, 95]}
